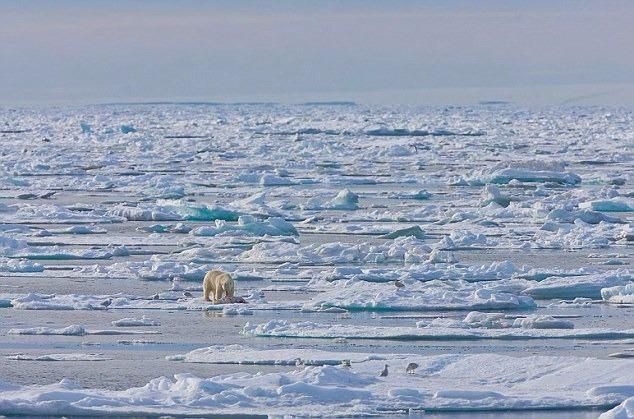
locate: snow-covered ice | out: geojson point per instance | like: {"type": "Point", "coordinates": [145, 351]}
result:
{"type": "Point", "coordinates": [457, 382]}
{"type": "Point", "coordinates": [500, 236]}
{"type": "Point", "coordinates": [426, 332]}
{"type": "Point", "coordinates": [69, 357]}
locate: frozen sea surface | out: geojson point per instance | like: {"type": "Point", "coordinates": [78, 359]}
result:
{"type": "Point", "coordinates": [490, 245]}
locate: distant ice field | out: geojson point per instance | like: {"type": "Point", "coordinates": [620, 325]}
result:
{"type": "Point", "coordinates": [491, 245]}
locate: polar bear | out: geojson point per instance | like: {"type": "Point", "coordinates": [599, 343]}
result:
{"type": "Point", "coordinates": [219, 284]}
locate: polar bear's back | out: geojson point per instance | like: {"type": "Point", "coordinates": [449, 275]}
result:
{"type": "Point", "coordinates": [217, 277]}
{"type": "Point", "coordinates": [217, 274]}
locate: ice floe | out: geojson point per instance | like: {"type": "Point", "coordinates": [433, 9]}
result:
{"type": "Point", "coordinates": [240, 354]}
{"type": "Point", "coordinates": [588, 286]}
{"type": "Point", "coordinates": [432, 295]}
{"type": "Point", "coordinates": [403, 249]}
{"type": "Point", "coordinates": [69, 357]}
{"type": "Point", "coordinates": [21, 249]}
{"type": "Point", "coordinates": [609, 205]}
{"type": "Point", "coordinates": [459, 239]}
{"type": "Point", "coordinates": [625, 410]}
{"type": "Point", "coordinates": [622, 294]}
{"type": "Point", "coordinates": [425, 332]}
{"type": "Point", "coordinates": [249, 225]}
{"type": "Point", "coordinates": [76, 330]}
{"type": "Point", "coordinates": [19, 265]}
{"type": "Point", "coordinates": [172, 211]}
{"type": "Point", "coordinates": [533, 171]}
{"type": "Point", "coordinates": [414, 231]}
{"type": "Point", "coordinates": [440, 383]}
{"type": "Point", "coordinates": [344, 200]}
{"type": "Point", "coordinates": [133, 322]}
{"type": "Point", "coordinates": [168, 300]}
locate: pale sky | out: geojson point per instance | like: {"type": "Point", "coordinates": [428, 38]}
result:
{"type": "Point", "coordinates": [377, 52]}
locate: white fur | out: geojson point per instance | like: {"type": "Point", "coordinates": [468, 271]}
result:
{"type": "Point", "coordinates": [218, 284]}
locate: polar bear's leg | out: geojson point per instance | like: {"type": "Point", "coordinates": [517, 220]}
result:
{"type": "Point", "coordinates": [218, 293]}
{"type": "Point", "coordinates": [207, 288]}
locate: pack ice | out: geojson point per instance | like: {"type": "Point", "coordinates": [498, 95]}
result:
{"type": "Point", "coordinates": [392, 259]}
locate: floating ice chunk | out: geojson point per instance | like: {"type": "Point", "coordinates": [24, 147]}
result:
{"type": "Point", "coordinates": [127, 129]}
{"type": "Point", "coordinates": [19, 265]}
{"type": "Point", "coordinates": [616, 392]}
{"type": "Point", "coordinates": [627, 235]}
{"type": "Point", "coordinates": [20, 249]}
{"type": "Point", "coordinates": [273, 226]}
{"type": "Point", "coordinates": [420, 195]}
{"type": "Point", "coordinates": [73, 356]}
{"type": "Point", "coordinates": [541, 191]}
{"type": "Point", "coordinates": [506, 175]}
{"type": "Point", "coordinates": [283, 328]}
{"type": "Point", "coordinates": [416, 296]}
{"type": "Point", "coordinates": [439, 256]}
{"type": "Point", "coordinates": [345, 200]}
{"type": "Point", "coordinates": [428, 271]}
{"type": "Point", "coordinates": [273, 180]}
{"type": "Point", "coordinates": [623, 294]}
{"type": "Point", "coordinates": [236, 310]}
{"type": "Point", "coordinates": [493, 194]}
{"type": "Point", "coordinates": [486, 320]}
{"type": "Point", "coordinates": [414, 231]}
{"type": "Point", "coordinates": [8, 243]}
{"type": "Point", "coordinates": [613, 262]}
{"type": "Point", "coordinates": [161, 186]}
{"type": "Point", "coordinates": [542, 322]}
{"type": "Point", "coordinates": [622, 391]}
{"type": "Point", "coordinates": [85, 128]}
{"type": "Point", "coordinates": [578, 302]}
{"type": "Point", "coordinates": [79, 230]}
{"type": "Point", "coordinates": [588, 286]}
{"type": "Point", "coordinates": [166, 228]}
{"type": "Point", "coordinates": [460, 239]}
{"type": "Point", "coordinates": [384, 131]}
{"type": "Point", "coordinates": [272, 252]}
{"type": "Point", "coordinates": [533, 171]}
{"type": "Point", "coordinates": [625, 354]}
{"type": "Point", "coordinates": [468, 394]}
{"type": "Point", "coordinates": [153, 269]}
{"type": "Point", "coordinates": [179, 228]}
{"type": "Point", "coordinates": [404, 249]}
{"type": "Point", "coordinates": [172, 211]}
{"type": "Point", "coordinates": [623, 411]}
{"type": "Point", "coordinates": [245, 355]}
{"type": "Point", "coordinates": [396, 150]}
{"type": "Point", "coordinates": [168, 300]}
{"type": "Point", "coordinates": [258, 204]}
{"type": "Point", "coordinates": [576, 236]}
{"type": "Point", "coordinates": [200, 212]}
{"type": "Point", "coordinates": [590, 217]}
{"type": "Point", "coordinates": [132, 322]}
{"type": "Point", "coordinates": [609, 205]}
{"type": "Point", "coordinates": [461, 181]}
{"type": "Point", "coordinates": [35, 301]}
{"type": "Point", "coordinates": [57, 214]}
{"type": "Point", "coordinates": [75, 330]}
{"type": "Point", "coordinates": [72, 330]}
{"type": "Point", "coordinates": [134, 213]}
{"type": "Point", "coordinates": [457, 181]}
